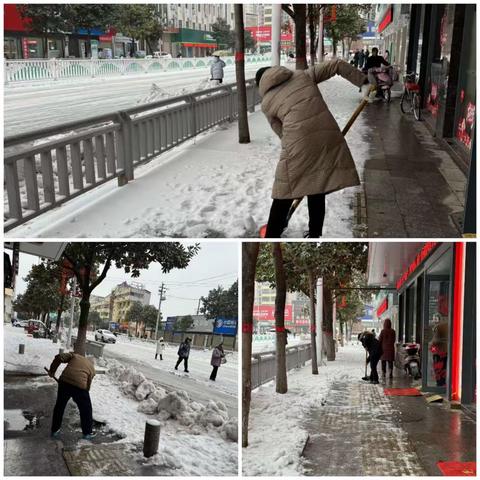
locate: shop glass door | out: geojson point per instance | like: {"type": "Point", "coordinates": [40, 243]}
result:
{"type": "Point", "coordinates": [436, 333]}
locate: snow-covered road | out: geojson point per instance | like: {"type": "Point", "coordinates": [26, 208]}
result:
{"type": "Point", "coordinates": [141, 355]}
{"type": "Point", "coordinates": [37, 106]}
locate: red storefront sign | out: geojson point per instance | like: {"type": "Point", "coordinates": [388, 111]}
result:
{"type": "Point", "coordinates": [266, 313]}
{"type": "Point", "coordinates": [264, 34]}
{"type": "Point", "coordinates": [387, 19]}
{"type": "Point", "coordinates": [422, 255]}
{"type": "Point", "coordinates": [383, 307]}
{"type": "Point", "coordinates": [12, 20]}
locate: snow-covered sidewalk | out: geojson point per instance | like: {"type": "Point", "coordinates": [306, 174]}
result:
{"type": "Point", "coordinates": [347, 423]}
{"type": "Point", "coordinates": [208, 187]}
{"type": "Point", "coordinates": [196, 439]}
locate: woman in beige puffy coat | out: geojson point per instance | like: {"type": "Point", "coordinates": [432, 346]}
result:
{"type": "Point", "coordinates": [315, 159]}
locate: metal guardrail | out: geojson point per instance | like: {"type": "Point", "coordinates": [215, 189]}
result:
{"type": "Point", "coordinates": [47, 167]}
{"type": "Point", "coordinates": [263, 364]}
{"type": "Point", "coordinates": [60, 69]}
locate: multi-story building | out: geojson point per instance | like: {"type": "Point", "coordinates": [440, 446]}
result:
{"type": "Point", "coordinates": [297, 312]}
{"type": "Point", "coordinates": [114, 307]}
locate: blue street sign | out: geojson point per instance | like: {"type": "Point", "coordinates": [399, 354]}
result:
{"type": "Point", "coordinates": [113, 326]}
{"type": "Point", "coordinates": [371, 30]}
{"type": "Point", "coordinates": [225, 326]}
{"type": "Point", "coordinates": [170, 323]}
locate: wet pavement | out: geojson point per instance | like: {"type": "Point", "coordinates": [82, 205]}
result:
{"type": "Point", "coordinates": [359, 431]}
{"type": "Point", "coordinates": [412, 185]}
{"type": "Point", "coordinates": [29, 450]}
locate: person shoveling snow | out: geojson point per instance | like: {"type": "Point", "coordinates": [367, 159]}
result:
{"type": "Point", "coordinates": [74, 383]}
{"type": "Point", "coordinates": [315, 159]}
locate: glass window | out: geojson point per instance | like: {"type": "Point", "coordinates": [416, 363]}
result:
{"type": "Point", "coordinates": [10, 48]}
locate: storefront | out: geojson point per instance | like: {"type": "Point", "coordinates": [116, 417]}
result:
{"type": "Point", "coordinates": [435, 283]}
{"type": "Point", "coordinates": [192, 43]}
{"type": "Point", "coordinates": [442, 50]}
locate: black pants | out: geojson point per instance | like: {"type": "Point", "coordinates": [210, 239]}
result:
{"type": "Point", "coordinates": [384, 366]}
{"type": "Point", "coordinates": [373, 368]}
{"type": "Point", "coordinates": [277, 221]}
{"type": "Point", "coordinates": [161, 358]}
{"type": "Point", "coordinates": [213, 375]}
{"type": "Point", "coordinates": [81, 398]}
{"type": "Point", "coordinates": [179, 361]}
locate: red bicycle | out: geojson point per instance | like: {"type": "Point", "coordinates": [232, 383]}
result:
{"type": "Point", "coordinates": [411, 100]}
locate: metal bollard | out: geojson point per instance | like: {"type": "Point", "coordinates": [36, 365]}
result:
{"type": "Point", "coordinates": [152, 437]}
{"type": "Point", "coordinates": [21, 348]}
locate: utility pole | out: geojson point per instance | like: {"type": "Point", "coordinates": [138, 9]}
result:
{"type": "Point", "coordinates": [72, 310]}
{"type": "Point", "coordinates": [161, 291]}
{"type": "Point", "coordinates": [276, 23]}
{"type": "Point", "coordinates": [198, 306]}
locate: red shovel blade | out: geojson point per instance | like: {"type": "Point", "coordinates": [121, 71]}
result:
{"type": "Point", "coordinates": [263, 231]}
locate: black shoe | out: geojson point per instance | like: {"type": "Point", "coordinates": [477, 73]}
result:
{"type": "Point", "coordinates": [375, 382]}
{"type": "Point", "coordinates": [176, 368]}
{"type": "Point", "coordinates": [186, 371]}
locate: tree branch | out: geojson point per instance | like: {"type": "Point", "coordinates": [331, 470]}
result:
{"type": "Point", "coordinates": [286, 8]}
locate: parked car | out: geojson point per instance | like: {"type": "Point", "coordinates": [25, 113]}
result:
{"type": "Point", "coordinates": [162, 55]}
{"type": "Point", "coordinates": [105, 336]}
{"type": "Point", "coordinates": [20, 323]}
{"type": "Point", "coordinates": [38, 329]}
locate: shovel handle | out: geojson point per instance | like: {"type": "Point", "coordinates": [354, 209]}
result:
{"type": "Point", "coordinates": [48, 371]}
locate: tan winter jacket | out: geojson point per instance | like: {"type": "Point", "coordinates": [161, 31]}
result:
{"type": "Point", "coordinates": [79, 371]}
{"type": "Point", "coordinates": [315, 157]}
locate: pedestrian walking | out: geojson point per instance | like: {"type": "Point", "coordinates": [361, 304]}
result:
{"type": "Point", "coordinates": [218, 357]}
{"type": "Point", "coordinates": [387, 341]}
{"type": "Point", "coordinates": [361, 58]}
{"type": "Point", "coordinates": [160, 348]}
{"type": "Point", "coordinates": [315, 159]}
{"type": "Point", "coordinates": [216, 69]}
{"type": "Point", "coordinates": [386, 56]}
{"type": "Point", "coordinates": [183, 354]}
{"type": "Point", "coordinates": [356, 58]}
{"type": "Point", "coordinates": [74, 383]}
{"type": "Point", "coordinates": [374, 349]}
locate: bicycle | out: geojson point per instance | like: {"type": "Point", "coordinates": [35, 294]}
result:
{"type": "Point", "coordinates": [411, 100]}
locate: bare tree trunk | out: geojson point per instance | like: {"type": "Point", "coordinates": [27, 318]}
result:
{"type": "Point", "coordinates": [281, 334]}
{"type": "Point", "coordinates": [300, 36]}
{"type": "Point", "coordinates": [312, 29]}
{"type": "Point", "coordinates": [249, 263]}
{"type": "Point", "coordinates": [313, 331]}
{"type": "Point", "coordinates": [82, 325]}
{"type": "Point", "coordinates": [243, 131]}
{"type": "Point", "coordinates": [59, 313]}
{"type": "Point", "coordinates": [327, 325]}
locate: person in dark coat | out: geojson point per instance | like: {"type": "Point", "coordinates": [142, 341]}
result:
{"type": "Point", "coordinates": [374, 349]}
{"type": "Point", "coordinates": [183, 354]}
{"type": "Point", "coordinates": [218, 355]}
{"type": "Point", "coordinates": [387, 340]}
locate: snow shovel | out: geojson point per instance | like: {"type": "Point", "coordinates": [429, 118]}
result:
{"type": "Point", "coordinates": [346, 128]}
{"type": "Point", "coordinates": [48, 371]}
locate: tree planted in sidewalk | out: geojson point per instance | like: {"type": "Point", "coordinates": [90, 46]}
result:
{"type": "Point", "coordinates": [298, 12]}
{"type": "Point", "coordinates": [139, 22]}
{"type": "Point", "coordinates": [243, 131]}
{"type": "Point", "coordinates": [42, 294]}
{"type": "Point", "coordinates": [220, 302]}
{"type": "Point", "coordinates": [249, 265]}
{"type": "Point", "coordinates": [91, 261]}
{"type": "Point", "coordinates": [348, 24]}
{"type": "Point", "coordinates": [281, 334]}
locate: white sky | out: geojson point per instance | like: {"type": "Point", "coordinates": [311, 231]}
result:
{"type": "Point", "coordinates": [184, 287]}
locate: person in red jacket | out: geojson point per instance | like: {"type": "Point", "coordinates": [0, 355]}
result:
{"type": "Point", "coordinates": [387, 340]}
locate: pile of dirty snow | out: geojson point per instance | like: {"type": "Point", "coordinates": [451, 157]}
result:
{"type": "Point", "coordinates": [174, 405]}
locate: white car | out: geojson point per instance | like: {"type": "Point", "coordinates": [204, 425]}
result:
{"type": "Point", "coordinates": [162, 55]}
{"type": "Point", "coordinates": [105, 336]}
